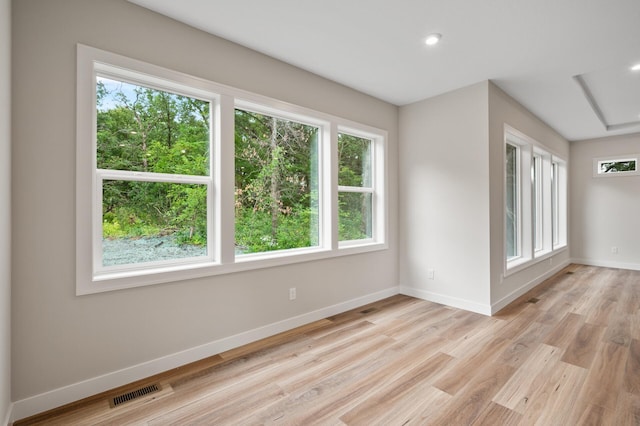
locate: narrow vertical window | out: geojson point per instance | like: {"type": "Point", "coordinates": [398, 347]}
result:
{"type": "Point", "coordinates": [276, 183]}
{"type": "Point", "coordinates": [537, 202]}
{"type": "Point", "coordinates": [512, 202]}
{"type": "Point", "coordinates": [555, 201]}
{"type": "Point", "coordinates": [355, 188]}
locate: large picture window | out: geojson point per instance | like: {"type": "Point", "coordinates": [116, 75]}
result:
{"type": "Point", "coordinates": [180, 177]}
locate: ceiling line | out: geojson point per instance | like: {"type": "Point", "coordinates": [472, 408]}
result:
{"type": "Point", "coordinates": [596, 108]}
{"type": "Point", "coordinates": [592, 102]}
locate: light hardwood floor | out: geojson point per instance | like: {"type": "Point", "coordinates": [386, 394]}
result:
{"type": "Point", "coordinates": [570, 358]}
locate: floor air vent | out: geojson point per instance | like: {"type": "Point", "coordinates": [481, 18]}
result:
{"type": "Point", "coordinates": [533, 300]}
{"type": "Point", "coordinates": [368, 311]}
{"type": "Point", "coordinates": [130, 396]}
{"type": "Point", "coordinates": [569, 272]}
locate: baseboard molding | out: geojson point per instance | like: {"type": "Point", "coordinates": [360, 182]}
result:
{"type": "Point", "coordinates": [500, 304]}
{"type": "Point", "coordinates": [55, 398]}
{"type": "Point", "coordinates": [8, 418]}
{"type": "Point", "coordinates": [608, 264]}
{"type": "Point", "coordinates": [454, 302]}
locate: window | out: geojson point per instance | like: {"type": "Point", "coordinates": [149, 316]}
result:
{"type": "Point", "coordinates": [179, 177]}
{"type": "Point", "coordinates": [535, 201]}
{"type": "Point", "coordinates": [355, 188]}
{"type": "Point", "coordinates": [616, 166]}
{"type": "Point", "coordinates": [555, 202]}
{"type": "Point", "coordinates": [538, 211]}
{"type": "Point", "coordinates": [512, 195]}
{"type": "Point", "coordinates": [153, 175]}
{"type": "Point", "coordinates": [559, 203]}
{"type": "Point", "coordinates": [276, 183]}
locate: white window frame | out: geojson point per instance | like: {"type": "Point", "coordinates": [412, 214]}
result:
{"type": "Point", "coordinates": [539, 212]}
{"type": "Point", "coordinates": [221, 258]}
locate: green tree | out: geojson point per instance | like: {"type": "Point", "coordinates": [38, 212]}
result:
{"type": "Point", "coordinates": [148, 130]}
{"type": "Point", "coordinates": [276, 177]}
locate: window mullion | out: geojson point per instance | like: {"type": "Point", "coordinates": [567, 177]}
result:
{"type": "Point", "coordinates": [224, 172]}
{"type": "Point", "coordinates": [332, 207]}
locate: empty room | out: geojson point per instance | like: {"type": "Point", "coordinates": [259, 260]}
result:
{"type": "Point", "coordinates": [334, 212]}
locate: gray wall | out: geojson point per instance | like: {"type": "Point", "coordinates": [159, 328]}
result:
{"type": "Point", "coordinates": [452, 198]}
{"type": "Point", "coordinates": [605, 210]}
{"type": "Point", "coordinates": [444, 177]}
{"type": "Point", "coordinates": [60, 339]}
{"type": "Point", "coordinates": [5, 208]}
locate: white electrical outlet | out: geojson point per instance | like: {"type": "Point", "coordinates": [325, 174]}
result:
{"type": "Point", "coordinates": [431, 274]}
{"type": "Point", "coordinates": [292, 293]}
{"type": "Point", "coordinates": [614, 250]}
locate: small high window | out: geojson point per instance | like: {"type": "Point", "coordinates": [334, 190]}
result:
{"type": "Point", "coordinates": [616, 166]}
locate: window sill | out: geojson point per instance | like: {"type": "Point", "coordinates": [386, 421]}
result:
{"type": "Point", "coordinates": [518, 265]}
{"type": "Point", "coordinates": [168, 274]}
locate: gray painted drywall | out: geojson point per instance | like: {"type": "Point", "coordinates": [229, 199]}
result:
{"type": "Point", "coordinates": [5, 208]}
{"type": "Point", "coordinates": [451, 218]}
{"type": "Point", "coordinates": [505, 110]}
{"type": "Point", "coordinates": [60, 339]}
{"type": "Point", "coordinates": [604, 210]}
{"type": "Point", "coordinates": [444, 181]}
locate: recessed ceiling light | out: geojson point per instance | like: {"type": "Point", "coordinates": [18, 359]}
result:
{"type": "Point", "coordinates": [636, 67]}
{"type": "Point", "coordinates": [433, 39]}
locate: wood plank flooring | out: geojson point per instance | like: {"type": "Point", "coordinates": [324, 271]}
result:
{"type": "Point", "coordinates": [571, 358]}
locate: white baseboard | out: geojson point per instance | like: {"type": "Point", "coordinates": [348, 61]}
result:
{"type": "Point", "coordinates": [608, 264]}
{"type": "Point", "coordinates": [74, 392]}
{"type": "Point", "coordinates": [8, 418]}
{"type": "Point", "coordinates": [454, 302]}
{"type": "Point", "coordinates": [495, 307]}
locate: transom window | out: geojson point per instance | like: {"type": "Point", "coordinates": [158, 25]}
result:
{"type": "Point", "coordinates": [179, 177]}
{"type": "Point", "coordinates": [616, 166]}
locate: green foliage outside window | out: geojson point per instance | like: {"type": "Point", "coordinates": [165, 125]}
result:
{"type": "Point", "coordinates": [141, 129]}
{"type": "Point", "coordinates": [276, 183]}
{"type": "Point", "coordinates": [355, 209]}
{"type": "Point", "coordinates": [146, 130]}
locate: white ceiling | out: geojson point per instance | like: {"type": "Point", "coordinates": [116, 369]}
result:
{"type": "Point", "coordinates": [532, 49]}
